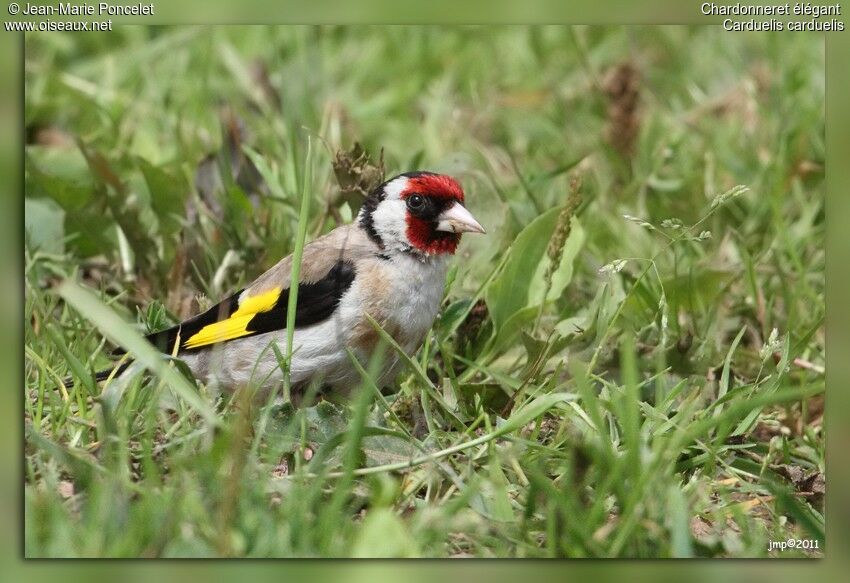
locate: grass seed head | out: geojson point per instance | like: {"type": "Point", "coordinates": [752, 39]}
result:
{"type": "Point", "coordinates": [555, 249]}
{"type": "Point", "coordinates": [622, 88]}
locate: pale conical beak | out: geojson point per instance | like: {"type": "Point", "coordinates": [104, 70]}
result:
{"type": "Point", "coordinates": [456, 219]}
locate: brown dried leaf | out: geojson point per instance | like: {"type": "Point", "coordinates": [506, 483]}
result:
{"type": "Point", "coordinates": [814, 488]}
{"type": "Point", "coordinates": [357, 174]}
{"type": "Point", "coordinates": [793, 474]}
{"type": "Point", "coordinates": [811, 484]}
{"type": "Point", "coordinates": [702, 530]}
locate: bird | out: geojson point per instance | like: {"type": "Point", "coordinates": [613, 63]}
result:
{"type": "Point", "coordinates": [389, 265]}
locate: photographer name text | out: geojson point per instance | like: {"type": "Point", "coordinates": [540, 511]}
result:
{"type": "Point", "coordinates": [99, 9]}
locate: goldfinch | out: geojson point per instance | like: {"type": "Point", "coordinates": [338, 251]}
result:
{"type": "Point", "coordinates": [390, 263]}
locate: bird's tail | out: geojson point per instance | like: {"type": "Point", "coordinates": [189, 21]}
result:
{"type": "Point", "coordinates": [101, 375]}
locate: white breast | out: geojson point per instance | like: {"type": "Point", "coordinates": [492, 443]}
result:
{"type": "Point", "coordinates": [417, 294]}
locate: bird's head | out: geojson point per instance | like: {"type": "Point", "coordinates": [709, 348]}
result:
{"type": "Point", "coordinates": [418, 211]}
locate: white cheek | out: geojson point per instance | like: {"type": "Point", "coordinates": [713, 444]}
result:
{"type": "Point", "coordinates": [394, 189]}
{"type": "Point", "coordinates": [389, 220]}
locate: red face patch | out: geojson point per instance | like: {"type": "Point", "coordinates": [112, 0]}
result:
{"type": "Point", "coordinates": [422, 232]}
{"type": "Point", "coordinates": [424, 237]}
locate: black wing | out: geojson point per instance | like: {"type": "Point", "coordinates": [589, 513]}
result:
{"type": "Point", "coordinates": [317, 300]}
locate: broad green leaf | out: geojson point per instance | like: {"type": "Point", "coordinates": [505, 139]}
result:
{"type": "Point", "coordinates": [60, 173]}
{"type": "Point", "coordinates": [493, 500]}
{"type": "Point", "coordinates": [563, 274]}
{"type": "Point", "coordinates": [168, 192]}
{"type": "Point", "coordinates": [93, 233]}
{"type": "Point", "coordinates": [384, 535]}
{"type": "Point", "coordinates": [43, 224]}
{"type": "Point", "coordinates": [688, 291]}
{"type": "Point", "coordinates": [388, 448]}
{"type": "Point", "coordinates": [516, 322]}
{"type": "Point", "coordinates": [521, 284]}
{"type": "Point", "coordinates": [534, 347]}
{"type": "Point", "coordinates": [326, 425]}
{"type": "Point", "coordinates": [127, 204]}
{"type": "Point", "coordinates": [322, 422]}
{"type": "Point", "coordinates": [451, 316]}
{"type": "Point", "coordinates": [508, 292]}
{"type": "Point", "coordinates": [493, 396]}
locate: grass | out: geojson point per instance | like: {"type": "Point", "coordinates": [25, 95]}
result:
{"type": "Point", "coordinates": [629, 364]}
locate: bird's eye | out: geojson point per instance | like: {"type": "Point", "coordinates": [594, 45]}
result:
{"type": "Point", "coordinates": [415, 202]}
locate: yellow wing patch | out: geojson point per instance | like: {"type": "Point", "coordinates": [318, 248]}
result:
{"type": "Point", "coordinates": [236, 325]}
